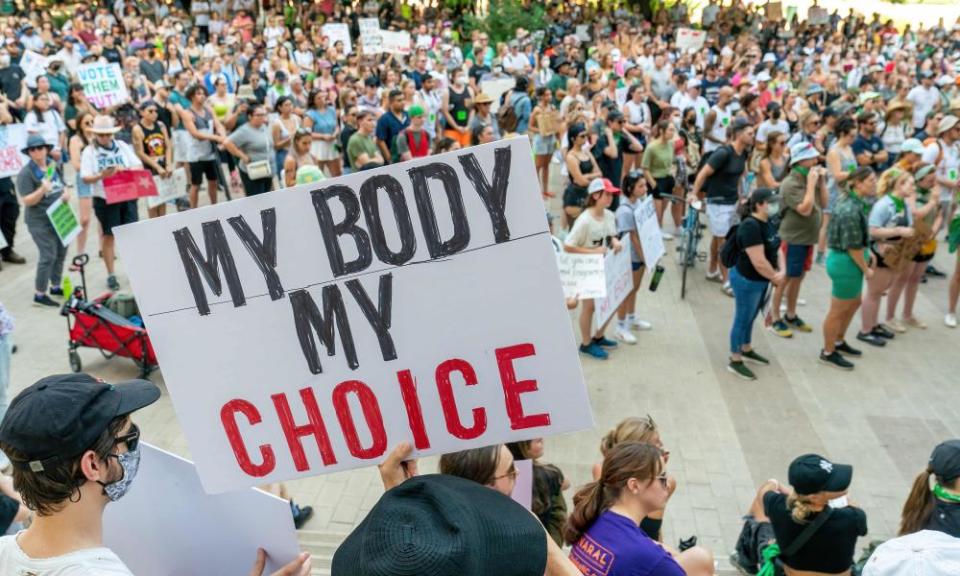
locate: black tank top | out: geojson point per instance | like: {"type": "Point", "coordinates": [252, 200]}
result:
{"type": "Point", "coordinates": [586, 166]}
{"type": "Point", "coordinates": [155, 145]}
{"type": "Point", "coordinates": [458, 107]}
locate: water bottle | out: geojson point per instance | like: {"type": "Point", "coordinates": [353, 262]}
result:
{"type": "Point", "coordinates": [657, 275]}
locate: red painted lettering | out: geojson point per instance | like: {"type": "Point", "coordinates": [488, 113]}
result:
{"type": "Point", "coordinates": [294, 433]}
{"type": "Point", "coordinates": [371, 414]}
{"type": "Point", "coordinates": [512, 389]}
{"type": "Point", "coordinates": [408, 388]}
{"type": "Point", "coordinates": [228, 416]}
{"type": "Point", "coordinates": [449, 404]}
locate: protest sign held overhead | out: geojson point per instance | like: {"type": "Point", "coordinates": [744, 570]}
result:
{"type": "Point", "coordinates": [690, 40]}
{"type": "Point", "coordinates": [103, 84]}
{"type": "Point", "coordinates": [395, 42]}
{"type": "Point", "coordinates": [338, 32]}
{"type": "Point", "coordinates": [418, 302]}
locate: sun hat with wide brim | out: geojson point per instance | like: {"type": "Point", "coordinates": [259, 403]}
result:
{"type": "Point", "coordinates": [897, 105]}
{"type": "Point", "coordinates": [482, 98]}
{"type": "Point", "coordinates": [104, 125]}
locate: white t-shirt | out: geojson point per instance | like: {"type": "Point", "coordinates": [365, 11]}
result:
{"type": "Point", "coordinates": [588, 232]}
{"type": "Point", "coordinates": [949, 166]}
{"type": "Point", "coordinates": [923, 100]}
{"type": "Point", "coordinates": [95, 159]}
{"type": "Point", "coordinates": [90, 562]}
{"type": "Point", "coordinates": [766, 127]}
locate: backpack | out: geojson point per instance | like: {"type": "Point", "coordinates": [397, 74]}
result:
{"type": "Point", "coordinates": [730, 250]}
{"type": "Point", "coordinates": [507, 118]}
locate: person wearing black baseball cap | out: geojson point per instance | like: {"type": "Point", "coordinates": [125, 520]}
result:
{"type": "Point", "coordinates": [935, 505]}
{"type": "Point", "coordinates": [813, 526]}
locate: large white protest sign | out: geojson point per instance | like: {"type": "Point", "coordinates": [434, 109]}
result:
{"type": "Point", "coordinates": [167, 525]}
{"type": "Point", "coordinates": [34, 65]}
{"type": "Point", "coordinates": [690, 40]}
{"type": "Point", "coordinates": [13, 138]}
{"type": "Point", "coordinates": [169, 189]}
{"type": "Point", "coordinates": [395, 42]}
{"type": "Point", "coordinates": [648, 228]}
{"type": "Point", "coordinates": [495, 87]}
{"type": "Point", "coordinates": [103, 84]}
{"type": "Point", "coordinates": [338, 32]}
{"type": "Point", "coordinates": [312, 329]}
{"type": "Point", "coordinates": [581, 275]}
{"type": "Point", "coordinates": [370, 35]}
{"type": "Point", "coordinates": [619, 279]}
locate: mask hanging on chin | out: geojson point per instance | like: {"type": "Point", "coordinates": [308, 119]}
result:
{"type": "Point", "coordinates": [129, 463]}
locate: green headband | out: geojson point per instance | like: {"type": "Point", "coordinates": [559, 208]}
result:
{"type": "Point", "coordinates": [924, 172]}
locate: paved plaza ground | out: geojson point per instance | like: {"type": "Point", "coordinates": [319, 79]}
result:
{"type": "Point", "coordinates": [725, 435]}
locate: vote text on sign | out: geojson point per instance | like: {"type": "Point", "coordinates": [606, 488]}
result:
{"type": "Point", "coordinates": [311, 329]}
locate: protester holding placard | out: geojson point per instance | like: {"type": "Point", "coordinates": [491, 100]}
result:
{"type": "Point", "coordinates": [594, 231]}
{"type": "Point", "coordinates": [153, 146]}
{"type": "Point", "coordinates": [633, 193]}
{"type": "Point", "coordinates": [40, 184]}
{"type": "Point", "coordinates": [101, 159]}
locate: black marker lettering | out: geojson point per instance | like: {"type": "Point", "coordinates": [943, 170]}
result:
{"type": "Point", "coordinates": [369, 196]}
{"type": "Point", "coordinates": [332, 231]}
{"type": "Point", "coordinates": [264, 253]}
{"type": "Point", "coordinates": [307, 318]}
{"type": "Point", "coordinates": [494, 197]}
{"type": "Point", "coordinates": [379, 317]}
{"type": "Point", "coordinates": [428, 217]}
{"type": "Point", "coordinates": [195, 265]}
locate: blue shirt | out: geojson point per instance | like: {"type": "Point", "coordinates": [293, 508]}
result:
{"type": "Point", "coordinates": [873, 145]}
{"type": "Point", "coordinates": [324, 122]}
{"type": "Point", "coordinates": [523, 107]}
{"type": "Point", "coordinates": [388, 126]}
{"type": "Point", "coordinates": [615, 546]}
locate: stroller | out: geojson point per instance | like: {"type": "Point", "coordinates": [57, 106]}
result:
{"type": "Point", "coordinates": [93, 324]}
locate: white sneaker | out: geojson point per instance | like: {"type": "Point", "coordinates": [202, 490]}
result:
{"type": "Point", "coordinates": [641, 325]}
{"type": "Point", "coordinates": [666, 236]}
{"type": "Point", "coordinates": [625, 336]}
{"type": "Point", "coordinates": [950, 320]}
{"type": "Point", "coordinates": [714, 276]}
{"type": "Point", "coordinates": [727, 289]}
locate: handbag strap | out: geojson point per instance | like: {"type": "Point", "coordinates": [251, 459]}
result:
{"type": "Point", "coordinates": [808, 532]}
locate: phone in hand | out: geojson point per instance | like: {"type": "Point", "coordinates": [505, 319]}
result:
{"type": "Point", "coordinates": [840, 502]}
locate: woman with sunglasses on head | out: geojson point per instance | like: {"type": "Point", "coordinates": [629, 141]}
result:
{"type": "Point", "coordinates": [634, 191]}
{"type": "Point", "coordinates": [581, 170]}
{"type": "Point", "coordinates": [604, 527]}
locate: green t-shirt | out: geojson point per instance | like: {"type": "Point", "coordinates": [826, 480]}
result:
{"type": "Point", "coordinates": [796, 228]}
{"type": "Point", "coordinates": [361, 144]}
{"type": "Point", "coordinates": [658, 159]}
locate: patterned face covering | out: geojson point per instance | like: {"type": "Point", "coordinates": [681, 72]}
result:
{"type": "Point", "coordinates": [130, 462]}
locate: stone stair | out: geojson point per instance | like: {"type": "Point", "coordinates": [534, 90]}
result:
{"type": "Point", "coordinates": [322, 544]}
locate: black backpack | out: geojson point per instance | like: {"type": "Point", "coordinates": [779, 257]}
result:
{"type": "Point", "coordinates": [730, 250]}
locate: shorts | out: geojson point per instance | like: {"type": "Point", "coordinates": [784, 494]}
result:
{"type": "Point", "coordinates": [636, 265]}
{"type": "Point", "coordinates": [799, 259]}
{"type": "Point", "coordinates": [203, 168]}
{"type": "Point", "coordinates": [721, 217]}
{"type": "Point", "coordinates": [84, 190]}
{"type": "Point", "coordinates": [112, 215]}
{"type": "Point", "coordinates": [846, 276]}
{"type": "Point", "coordinates": [663, 187]}
{"type": "Point", "coordinates": [575, 196]}
{"type": "Point", "coordinates": [924, 257]}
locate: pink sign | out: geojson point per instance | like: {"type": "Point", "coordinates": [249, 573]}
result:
{"type": "Point", "coordinates": [129, 185]}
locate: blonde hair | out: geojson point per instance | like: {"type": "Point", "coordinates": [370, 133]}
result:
{"type": "Point", "coordinates": [632, 429]}
{"type": "Point", "coordinates": [888, 180]}
{"type": "Point", "coordinates": [800, 508]}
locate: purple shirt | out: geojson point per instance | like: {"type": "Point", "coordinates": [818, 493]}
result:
{"type": "Point", "coordinates": [615, 546]}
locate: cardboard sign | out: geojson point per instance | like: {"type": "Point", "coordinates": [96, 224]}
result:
{"type": "Point", "coordinates": [395, 42]}
{"type": "Point", "coordinates": [64, 221]}
{"type": "Point", "coordinates": [651, 239]}
{"type": "Point", "coordinates": [495, 88]}
{"type": "Point", "coordinates": [619, 279]}
{"type": "Point", "coordinates": [773, 11]}
{"type": "Point", "coordinates": [169, 189]}
{"type": "Point", "coordinates": [817, 15]}
{"type": "Point", "coordinates": [13, 137]}
{"type": "Point", "coordinates": [690, 40]}
{"type": "Point", "coordinates": [129, 185]}
{"type": "Point", "coordinates": [523, 488]}
{"type": "Point", "coordinates": [34, 65]}
{"type": "Point", "coordinates": [370, 35]}
{"type": "Point", "coordinates": [310, 330]}
{"type": "Point", "coordinates": [103, 84]}
{"type": "Point", "coordinates": [167, 525]}
{"type": "Point", "coordinates": [338, 32]}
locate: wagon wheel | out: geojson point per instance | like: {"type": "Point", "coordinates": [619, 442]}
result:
{"type": "Point", "coordinates": [75, 363]}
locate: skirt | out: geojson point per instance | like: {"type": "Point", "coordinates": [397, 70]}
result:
{"type": "Point", "coordinates": [324, 151]}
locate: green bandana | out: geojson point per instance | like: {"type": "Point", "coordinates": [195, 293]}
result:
{"type": "Point", "coordinates": [802, 170]}
{"type": "Point", "coordinates": [942, 494]}
{"type": "Point", "coordinates": [900, 203]}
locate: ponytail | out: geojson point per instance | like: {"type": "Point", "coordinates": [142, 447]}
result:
{"type": "Point", "coordinates": [588, 504]}
{"type": "Point", "coordinates": [799, 507]}
{"type": "Point", "coordinates": [919, 505]}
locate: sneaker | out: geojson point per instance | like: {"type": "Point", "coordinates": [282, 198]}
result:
{"type": "Point", "coordinates": [642, 325]}
{"type": "Point", "coordinates": [605, 342]}
{"type": "Point", "coordinates": [742, 566]}
{"type": "Point", "coordinates": [883, 332]}
{"type": "Point", "coordinates": [44, 300]}
{"type": "Point", "coordinates": [56, 291]}
{"type": "Point", "coordinates": [781, 329]}
{"type": "Point", "coordinates": [594, 350]}
{"type": "Point", "coordinates": [727, 289]}
{"type": "Point", "coordinates": [112, 283]}
{"type": "Point", "coordinates": [714, 276]}
{"type": "Point", "coordinates": [741, 370]}
{"type": "Point", "coordinates": [896, 325]}
{"type": "Point", "coordinates": [625, 336]}
{"type": "Point", "coordinates": [847, 349]}
{"type": "Point", "coordinates": [836, 360]}
{"type": "Point", "coordinates": [799, 324]}
{"type": "Point", "coordinates": [754, 357]}
{"type": "Point", "coordinates": [14, 258]}
{"type": "Point", "coordinates": [915, 323]}
{"type": "Point", "coordinates": [932, 271]}
{"type": "Point", "coordinates": [872, 339]}
{"type": "Point", "coordinates": [950, 320]}
{"type": "Point", "coordinates": [666, 236]}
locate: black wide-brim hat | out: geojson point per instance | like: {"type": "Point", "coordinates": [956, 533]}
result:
{"type": "Point", "coordinates": [441, 525]}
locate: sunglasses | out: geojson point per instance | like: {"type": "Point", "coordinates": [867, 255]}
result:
{"type": "Point", "coordinates": [131, 438]}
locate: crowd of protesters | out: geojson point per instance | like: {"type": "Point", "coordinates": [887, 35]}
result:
{"type": "Point", "coordinates": [833, 144]}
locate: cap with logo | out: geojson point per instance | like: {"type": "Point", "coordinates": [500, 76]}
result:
{"type": "Point", "coordinates": [811, 473]}
{"type": "Point", "coordinates": [59, 417]}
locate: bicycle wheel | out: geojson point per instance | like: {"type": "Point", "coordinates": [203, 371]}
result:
{"type": "Point", "coordinates": [686, 260]}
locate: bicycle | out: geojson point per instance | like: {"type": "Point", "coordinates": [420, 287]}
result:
{"type": "Point", "coordinates": [689, 244]}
